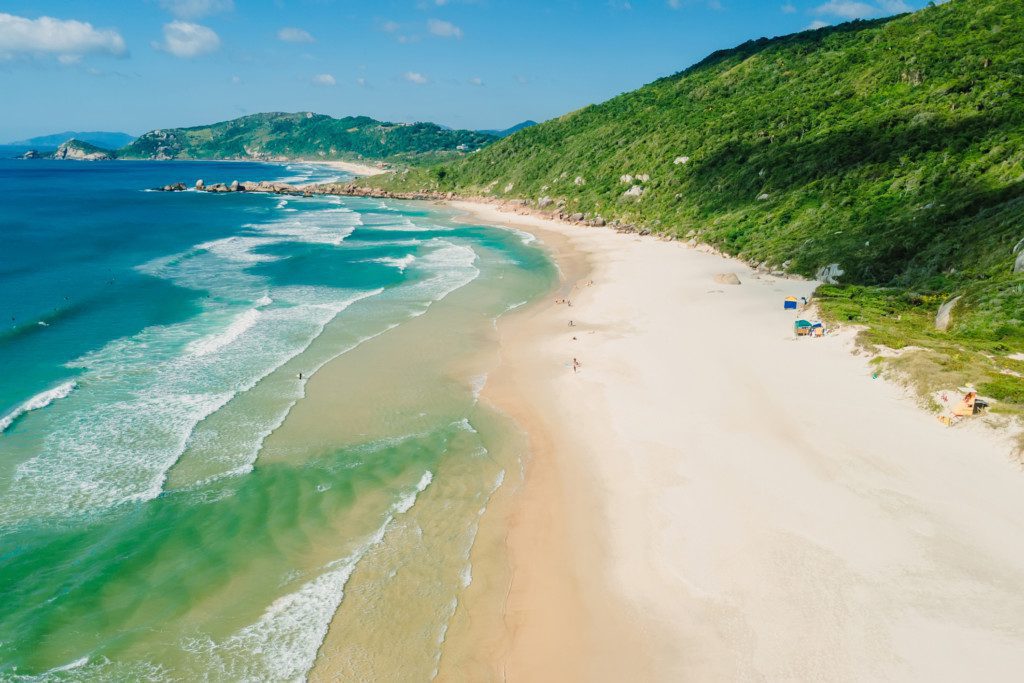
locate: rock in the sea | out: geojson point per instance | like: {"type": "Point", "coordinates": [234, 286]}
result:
{"type": "Point", "coordinates": [945, 314]}
{"type": "Point", "coordinates": [727, 279]}
{"type": "Point", "coordinates": [31, 154]}
{"type": "Point", "coordinates": [234, 186]}
{"type": "Point", "coordinates": [81, 151]}
{"type": "Point", "coordinates": [200, 184]}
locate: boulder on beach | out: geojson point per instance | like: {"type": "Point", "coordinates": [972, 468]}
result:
{"type": "Point", "coordinates": [727, 279]}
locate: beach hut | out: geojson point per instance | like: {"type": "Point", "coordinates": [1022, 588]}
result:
{"type": "Point", "coordinates": [802, 328]}
{"type": "Point", "coordinates": [790, 303]}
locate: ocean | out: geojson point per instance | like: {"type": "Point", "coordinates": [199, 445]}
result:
{"type": "Point", "coordinates": [239, 434]}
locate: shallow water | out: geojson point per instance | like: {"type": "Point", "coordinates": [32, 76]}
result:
{"type": "Point", "coordinates": [171, 505]}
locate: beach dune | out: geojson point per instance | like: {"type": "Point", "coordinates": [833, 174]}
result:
{"type": "Point", "coordinates": [733, 503]}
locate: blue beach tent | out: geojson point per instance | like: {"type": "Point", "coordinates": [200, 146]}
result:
{"type": "Point", "coordinates": [790, 303]}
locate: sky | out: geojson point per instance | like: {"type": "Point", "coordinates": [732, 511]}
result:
{"type": "Point", "coordinates": [138, 65]}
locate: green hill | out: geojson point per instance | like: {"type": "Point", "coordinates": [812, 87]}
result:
{"type": "Point", "coordinates": [82, 151]}
{"type": "Point", "coordinates": [306, 136]}
{"type": "Point", "coordinates": [892, 148]}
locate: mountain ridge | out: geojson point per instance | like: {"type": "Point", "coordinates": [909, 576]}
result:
{"type": "Point", "coordinates": [306, 135]}
{"type": "Point", "coordinates": [104, 139]}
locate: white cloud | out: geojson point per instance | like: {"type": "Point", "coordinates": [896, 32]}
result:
{"type": "Point", "coordinates": [236, 80]}
{"type": "Point", "coordinates": [816, 24]}
{"type": "Point", "coordinates": [66, 38]}
{"type": "Point", "coordinates": [476, 80]}
{"type": "Point", "coordinates": [324, 79]}
{"type": "Point", "coordinates": [895, 6]}
{"type": "Point", "coordinates": [390, 26]}
{"type": "Point", "coordinates": [183, 39]}
{"type": "Point", "coordinates": [414, 77]}
{"type": "Point", "coordinates": [710, 4]}
{"type": "Point", "coordinates": [290, 34]}
{"type": "Point", "coordinates": [856, 9]}
{"type": "Point", "coordinates": [789, 8]}
{"type": "Point", "coordinates": [847, 9]}
{"type": "Point", "coordinates": [362, 82]}
{"type": "Point", "coordinates": [194, 9]}
{"type": "Point", "coordinates": [445, 29]}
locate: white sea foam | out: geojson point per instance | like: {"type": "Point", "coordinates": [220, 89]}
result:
{"type": "Point", "coordinates": [144, 405]}
{"type": "Point", "coordinates": [282, 644]}
{"type": "Point", "coordinates": [77, 664]}
{"type": "Point", "coordinates": [409, 499]}
{"type": "Point", "coordinates": [452, 266]}
{"type": "Point", "coordinates": [146, 399]}
{"type": "Point", "coordinates": [40, 400]}
{"type": "Point", "coordinates": [401, 263]}
{"type": "Point", "coordinates": [240, 249]}
{"type": "Point", "coordinates": [477, 385]}
{"type": "Point", "coordinates": [215, 342]}
{"type": "Point", "coordinates": [388, 224]}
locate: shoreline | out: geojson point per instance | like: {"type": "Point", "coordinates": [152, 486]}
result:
{"type": "Point", "coordinates": [732, 502]}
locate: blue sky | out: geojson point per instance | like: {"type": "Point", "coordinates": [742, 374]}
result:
{"type": "Point", "coordinates": [136, 65]}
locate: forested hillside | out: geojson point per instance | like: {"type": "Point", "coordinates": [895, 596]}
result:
{"type": "Point", "coordinates": [306, 136]}
{"type": "Point", "coordinates": [890, 150]}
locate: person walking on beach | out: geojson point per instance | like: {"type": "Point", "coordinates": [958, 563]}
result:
{"type": "Point", "coordinates": [575, 365]}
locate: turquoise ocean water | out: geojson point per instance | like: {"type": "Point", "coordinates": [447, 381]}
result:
{"type": "Point", "coordinates": [150, 344]}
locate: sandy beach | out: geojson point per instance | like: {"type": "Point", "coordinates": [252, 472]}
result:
{"type": "Point", "coordinates": [349, 167]}
{"type": "Point", "coordinates": [710, 498]}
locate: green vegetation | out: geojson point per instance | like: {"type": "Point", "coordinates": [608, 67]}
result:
{"type": "Point", "coordinates": [893, 148]}
{"type": "Point", "coordinates": [307, 136]}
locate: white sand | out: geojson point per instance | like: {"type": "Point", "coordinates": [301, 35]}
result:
{"type": "Point", "coordinates": [350, 167]}
{"type": "Point", "coordinates": [747, 505]}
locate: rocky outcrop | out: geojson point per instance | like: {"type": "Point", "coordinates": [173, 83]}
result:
{"type": "Point", "coordinates": [829, 274]}
{"type": "Point", "coordinates": [32, 154]}
{"type": "Point", "coordinates": [727, 279]}
{"type": "Point", "coordinates": [1018, 266]}
{"type": "Point", "coordinates": [635, 191]}
{"type": "Point", "coordinates": [945, 315]}
{"type": "Point", "coordinates": [81, 151]}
